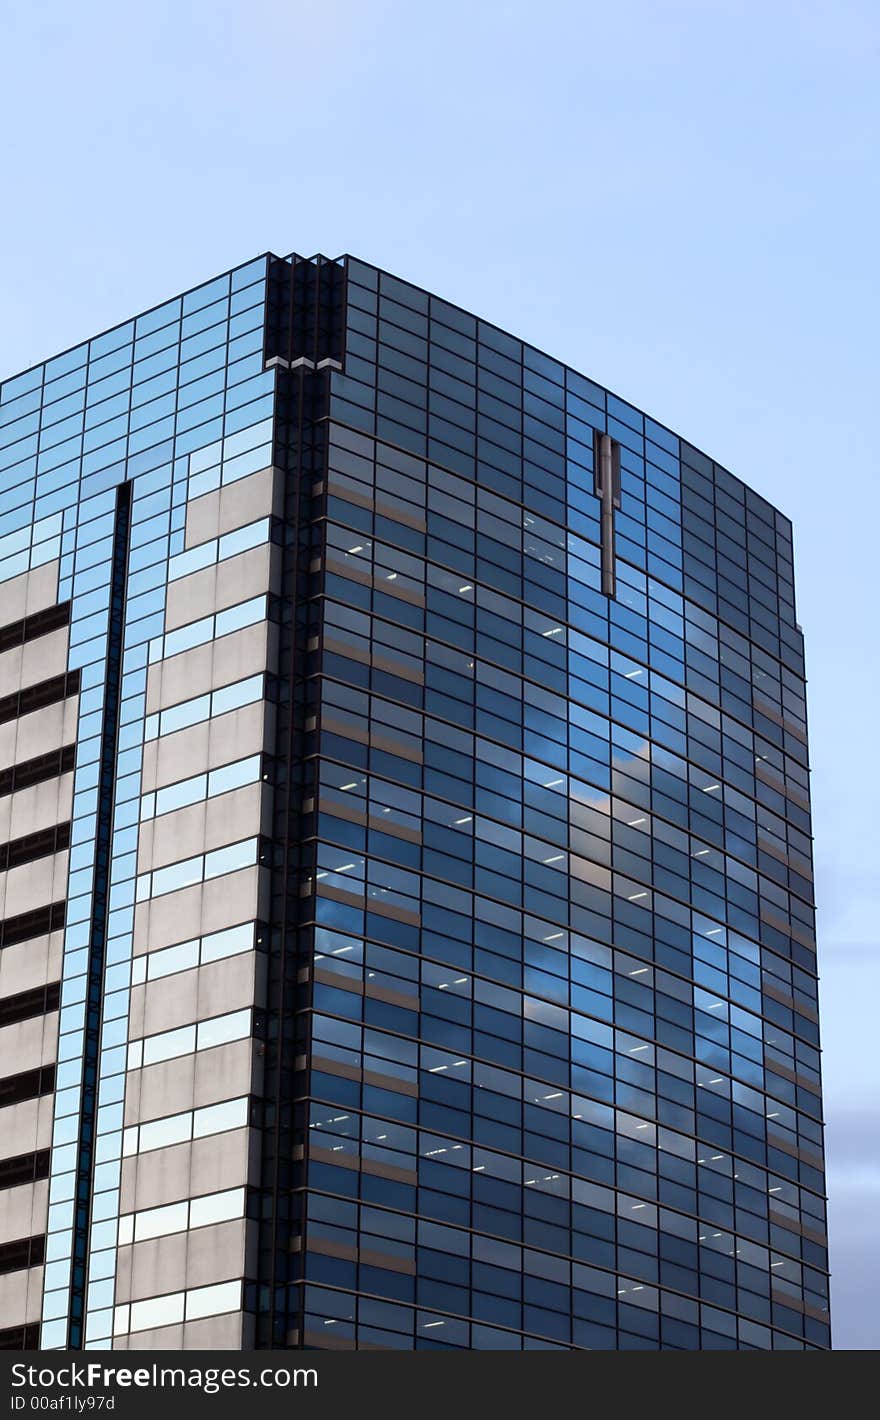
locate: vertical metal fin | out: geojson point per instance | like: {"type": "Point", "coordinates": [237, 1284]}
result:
{"type": "Point", "coordinates": [606, 462]}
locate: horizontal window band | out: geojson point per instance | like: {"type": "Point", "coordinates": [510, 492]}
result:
{"type": "Point", "coordinates": [39, 623]}
{"type": "Point", "coordinates": [242, 1024]}
{"type": "Point", "coordinates": [29, 1085]}
{"type": "Point", "coordinates": [342, 749]}
{"type": "Point", "coordinates": [253, 612]}
{"type": "Point", "coordinates": [173, 1307]}
{"type": "Point", "coordinates": [37, 770]}
{"type": "Point", "coordinates": [578, 1011]}
{"type": "Point", "coordinates": [212, 703]}
{"type": "Point", "coordinates": [190, 1124]}
{"type": "Point", "coordinates": [442, 636]}
{"type": "Point", "coordinates": [676, 589]}
{"type": "Point", "coordinates": [20, 1338]}
{"type": "Point", "coordinates": [230, 544]}
{"type": "Point", "coordinates": [24, 1005]}
{"type": "Point", "coordinates": [186, 1213]}
{"type": "Point", "coordinates": [36, 697]}
{"type": "Point", "coordinates": [322, 1148]}
{"type": "Point", "coordinates": [25, 1252]}
{"type": "Point", "coordinates": [191, 872]}
{"type": "Point", "coordinates": [183, 793]}
{"type": "Point", "coordinates": [199, 951]}
{"type": "Point", "coordinates": [24, 1168]}
{"type": "Point", "coordinates": [481, 979]}
{"type": "Point", "coordinates": [346, 675]}
{"type": "Point", "coordinates": [33, 846]}
{"type": "Point", "coordinates": [32, 924]}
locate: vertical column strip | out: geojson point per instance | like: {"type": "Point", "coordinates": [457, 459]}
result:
{"type": "Point", "coordinates": [98, 925]}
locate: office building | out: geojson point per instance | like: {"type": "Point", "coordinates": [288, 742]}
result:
{"type": "Point", "coordinates": [405, 861]}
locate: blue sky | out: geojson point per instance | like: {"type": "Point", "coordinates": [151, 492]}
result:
{"type": "Point", "coordinates": [679, 198]}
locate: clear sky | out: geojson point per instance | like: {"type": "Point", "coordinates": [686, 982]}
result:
{"type": "Point", "coordinates": [677, 197]}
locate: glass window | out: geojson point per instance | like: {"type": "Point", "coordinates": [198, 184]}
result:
{"type": "Point", "coordinates": [230, 859]}
{"type": "Point", "coordinates": [172, 959]}
{"type": "Point", "coordinates": [245, 614]}
{"type": "Point", "coordinates": [177, 796]}
{"type": "Point", "coordinates": [175, 876]}
{"type": "Point", "coordinates": [193, 560]}
{"type": "Point", "coordinates": [190, 712]}
{"type": "Point", "coordinates": [169, 1044]}
{"type": "Point", "coordinates": [231, 697]}
{"type": "Point", "coordinates": [211, 1301]}
{"type": "Point", "coordinates": [217, 1207]}
{"type": "Point", "coordinates": [156, 1222]}
{"type": "Point", "coordinates": [156, 1311]}
{"type": "Point", "coordinates": [217, 1118]}
{"type": "Point", "coordinates": [242, 539]}
{"type": "Point", "coordinates": [233, 776]}
{"type": "Point", "coordinates": [175, 1129]}
{"type": "Point", "coordinates": [228, 942]}
{"type": "Point", "coordinates": [221, 1029]}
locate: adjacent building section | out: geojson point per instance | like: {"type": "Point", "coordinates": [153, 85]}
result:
{"type": "Point", "coordinates": [407, 909]}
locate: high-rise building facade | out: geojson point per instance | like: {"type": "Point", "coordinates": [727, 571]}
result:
{"type": "Point", "coordinates": [405, 865]}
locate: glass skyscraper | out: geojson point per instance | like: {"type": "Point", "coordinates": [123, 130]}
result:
{"type": "Point", "coordinates": [405, 861]}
